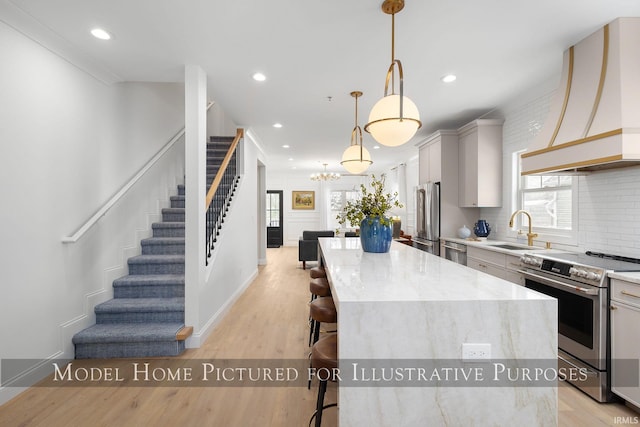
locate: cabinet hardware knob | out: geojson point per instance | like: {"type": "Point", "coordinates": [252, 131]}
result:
{"type": "Point", "coordinates": [613, 307]}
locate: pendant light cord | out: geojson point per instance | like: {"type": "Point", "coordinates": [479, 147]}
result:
{"type": "Point", "coordinates": [393, 52]}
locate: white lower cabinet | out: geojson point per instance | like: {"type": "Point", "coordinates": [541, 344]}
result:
{"type": "Point", "coordinates": [485, 267]}
{"type": "Point", "coordinates": [495, 263]}
{"type": "Point", "coordinates": [625, 345]}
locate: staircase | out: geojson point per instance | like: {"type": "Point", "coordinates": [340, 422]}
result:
{"type": "Point", "coordinates": [146, 316]}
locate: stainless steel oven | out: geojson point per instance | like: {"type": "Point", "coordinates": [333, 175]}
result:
{"type": "Point", "coordinates": [582, 294]}
{"type": "Point", "coordinates": [580, 283]}
{"type": "Point", "coordinates": [582, 320]}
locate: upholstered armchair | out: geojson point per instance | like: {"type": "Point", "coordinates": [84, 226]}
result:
{"type": "Point", "coordinates": [308, 245]}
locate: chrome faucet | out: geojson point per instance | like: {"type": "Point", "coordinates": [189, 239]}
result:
{"type": "Point", "coordinates": [530, 234]}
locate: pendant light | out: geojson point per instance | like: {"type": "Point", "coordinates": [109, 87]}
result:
{"type": "Point", "coordinates": [394, 119]}
{"type": "Point", "coordinates": [356, 159]}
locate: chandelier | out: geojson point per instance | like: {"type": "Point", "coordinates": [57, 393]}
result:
{"type": "Point", "coordinates": [325, 176]}
{"type": "Point", "coordinates": [356, 159]}
{"type": "Point", "coordinates": [394, 119]}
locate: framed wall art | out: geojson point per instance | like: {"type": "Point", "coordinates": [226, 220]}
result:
{"type": "Point", "coordinates": [303, 200]}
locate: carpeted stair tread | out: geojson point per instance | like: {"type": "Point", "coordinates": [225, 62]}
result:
{"type": "Point", "coordinates": [140, 305]}
{"type": "Point", "coordinates": [163, 245]}
{"type": "Point", "coordinates": [168, 229]}
{"type": "Point", "coordinates": [218, 138]}
{"type": "Point", "coordinates": [149, 286]}
{"type": "Point", "coordinates": [156, 264]}
{"type": "Point", "coordinates": [168, 224]}
{"type": "Point", "coordinates": [128, 332]}
{"type": "Point", "coordinates": [156, 259]}
{"type": "Point", "coordinates": [162, 241]}
{"type": "Point", "coordinates": [173, 214]}
{"type": "Point", "coordinates": [145, 279]}
{"type": "Point", "coordinates": [173, 210]}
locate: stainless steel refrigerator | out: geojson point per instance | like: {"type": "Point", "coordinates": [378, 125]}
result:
{"type": "Point", "coordinates": [427, 236]}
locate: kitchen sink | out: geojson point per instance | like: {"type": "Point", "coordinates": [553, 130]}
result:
{"type": "Point", "coordinates": [512, 247]}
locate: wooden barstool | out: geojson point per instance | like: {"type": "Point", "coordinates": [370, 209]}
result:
{"type": "Point", "coordinates": [316, 272]}
{"type": "Point", "coordinates": [322, 310]}
{"type": "Point", "coordinates": [324, 359]}
{"type": "Point", "coordinates": [319, 287]}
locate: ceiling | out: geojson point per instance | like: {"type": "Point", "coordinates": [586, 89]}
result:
{"type": "Point", "coordinates": [315, 53]}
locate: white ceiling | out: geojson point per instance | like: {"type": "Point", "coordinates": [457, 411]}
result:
{"type": "Point", "coordinates": [311, 51]}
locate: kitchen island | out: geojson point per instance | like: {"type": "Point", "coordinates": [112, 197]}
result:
{"type": "Point", "coordinates": [403, 317]}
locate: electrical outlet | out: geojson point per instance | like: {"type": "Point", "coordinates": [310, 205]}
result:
{"type": "Point", "coordinates": [476, 351]}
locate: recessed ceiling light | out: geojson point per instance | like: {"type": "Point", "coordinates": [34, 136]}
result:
{"type": "Point", "coordinates": [290, 159]}
{"type": "Point", "coordinates": [259, 77]}
{"type": "Point", "coordinates": [285, 146]}
{"type": "Point", "coordinates": [376, 147]}
{"type": "Point", "coordinates": [277, 125]}
{"type": "Point", "coordinates": [448, 78]}
{"type": "Point", "coordinates": [101, 34]}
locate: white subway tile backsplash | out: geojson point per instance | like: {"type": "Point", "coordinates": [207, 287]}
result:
{"type": "Point", "coordinates": [608, 202]}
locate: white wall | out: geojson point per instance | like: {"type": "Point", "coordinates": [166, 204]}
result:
{"type": "Point", "coordinates": [296, 221]}
{"type": "Point", "coordinates": [608, 201]}
{"type": "Point", "coordinates": [234, 263]}
{"type": "Point", "coordinates": [68, 143]}
{"type": "Point", "coordinates": [218, 123]}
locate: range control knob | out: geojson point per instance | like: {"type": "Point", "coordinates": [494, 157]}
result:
{"type": "Point", "coordinates": [593, 275]}
{"type": "Point", "coordinates": [580, 272]}
{"type": "Point", "coordinates": [573, 271]}
{"type": "Point", "coordinates": [527, 259]}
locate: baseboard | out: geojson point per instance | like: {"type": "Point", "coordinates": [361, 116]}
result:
{"type": "Point", "coordinates": [27, 378]}
{"type": "Point", "coordinates": [196, 340]}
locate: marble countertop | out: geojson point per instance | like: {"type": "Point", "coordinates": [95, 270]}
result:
{"type": "Point", "coordinates": [411, 305]}
{"type": "Point", "coordinates": [408, 274]}
{"type": "Point", "coordinates": [631, 276]}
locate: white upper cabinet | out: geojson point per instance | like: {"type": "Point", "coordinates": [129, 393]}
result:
{"type": "Point", "coordinates": [480, 164]}
{"type": "Point", "coordinates": [430, 160]}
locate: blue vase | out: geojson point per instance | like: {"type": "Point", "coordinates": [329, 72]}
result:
{"type": "Point", "coordinates": [482, 228]}
{"type": "Point", "coordinates": [375, 237]}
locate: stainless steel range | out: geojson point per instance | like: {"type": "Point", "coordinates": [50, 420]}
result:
{"type": "Point", "coordinates": [581, 285]}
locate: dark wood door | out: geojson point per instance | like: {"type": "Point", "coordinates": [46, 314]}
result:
{"type": "Point", "coordinates": [274, 218]}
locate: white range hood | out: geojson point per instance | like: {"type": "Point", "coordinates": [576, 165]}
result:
{"type": "Point", "coordinates": [594, 120]}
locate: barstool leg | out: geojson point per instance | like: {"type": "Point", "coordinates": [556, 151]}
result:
{"type": "Point", "coordinates": [316, 332]}
{"type": "Point", "coordinates": [312, 327]}
{"type": "Point", "coordinates": [322, 388]}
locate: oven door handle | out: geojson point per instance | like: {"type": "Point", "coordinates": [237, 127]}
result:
{"type": "Point", "coordinates": [558, 284]}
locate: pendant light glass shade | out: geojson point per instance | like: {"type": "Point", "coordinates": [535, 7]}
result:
{"type": "Point", "coordinates": [385, 124]}
{"type": "Point", "coordinates": [356, 159]}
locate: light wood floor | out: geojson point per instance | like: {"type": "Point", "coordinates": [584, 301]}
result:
{"type": "Point", "coordinates": [269, 321]}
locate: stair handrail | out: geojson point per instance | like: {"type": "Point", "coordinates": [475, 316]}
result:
{"type": "Point", "coordinates": [225, 162]}
{"type": "Point", "coordinates": [126, 187]}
